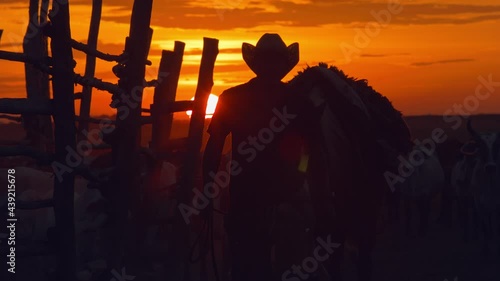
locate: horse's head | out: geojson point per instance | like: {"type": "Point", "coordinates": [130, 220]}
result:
{"type": "Point", "coordinates": [485, 147]}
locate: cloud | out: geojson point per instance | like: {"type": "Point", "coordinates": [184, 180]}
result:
{"type": "Point", "coordinates": [11, 79]}
{"type": "Point", "coordinates": [383, 55]}
{"type": "Point", "coordinates": [197, 51]}
{"type": "Point", "coordinates": [232, 14]}
{"type": "Point", "coordinates": [246, 14]}
{"type": "Point", "coordinates": [13, 44]}
{"type": "Point", "coordinates": [441, 62]}
{"type": "Point", "coordinates": [11, 86]}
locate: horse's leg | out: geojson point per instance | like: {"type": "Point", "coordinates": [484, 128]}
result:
{"type": "Point", "coordinates": [476, 219]}
{"type": "Point", "coordinates": [408, 214]}
{"type": "Point", "coordinates": [294, 244]}
{"type": "Point", "coordinates": [365, 264]}
{"type": "Point", "coordinates": [445, 215]}
{"type": "Point", "coordinates": [462, 216]}
{"type": "Point", "coordinates": [331, 259]}
{"type": "Point", "coordinates": [388, 204]}
{"type": "Point", "coordinates": [393, 206]}
{"type": "Point", "coordinates": [397, 204]}
{"type": "Point", "coordinates": [424, 209]}
{"type": "Point", "coordinates": [366, 239]}
{"type": "Point", "coordinates": [498, 227]}
{"type": "Point", "coordinates": [420, 210]}
{"type": "Point", "coordinates": [334, 262]}
{"type": "Point", "coordinates": [491, 227]}
{"type": "Point", "coordinates": [420, 202]}
{"type": "Point", "coordinates": [486, 223]}
{"type": "Point", "coordinates": [334, 230]}
{"type": "Point", "coordinates": [448, 205]}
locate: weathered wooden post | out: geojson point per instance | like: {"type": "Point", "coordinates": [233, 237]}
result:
{"type": "Point", "coordinates": [38, 127]}
{"type": "Point", "coordinates": [44, 11]}
{"type": "Point", "coordinates": [197, 123]}
{"type": "Point", "coordinates": [126, 179]}
{"type": "Point", "coordinates": [161, 109]}
{"type": "Point", "coordinates": [65, 134]}
{"type": "Point", "coordinates": [85, 101]}
{"type": "Point", "coordinates": [192, 163]}
{"type": "Point", "coordinates": [164, 96]}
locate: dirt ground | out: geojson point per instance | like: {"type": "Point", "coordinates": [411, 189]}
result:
{"type": "Point", "coordinates": [440, 255]}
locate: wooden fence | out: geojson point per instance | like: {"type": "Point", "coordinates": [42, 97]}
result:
{"type": "Point", "coordinates": [129, 199]}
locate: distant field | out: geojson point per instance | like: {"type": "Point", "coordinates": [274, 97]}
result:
{"type": "Point", "coordinates": [421, 127]}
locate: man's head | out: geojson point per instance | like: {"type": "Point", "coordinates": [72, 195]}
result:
{"type": "Point", "coordinates": [271, 59]}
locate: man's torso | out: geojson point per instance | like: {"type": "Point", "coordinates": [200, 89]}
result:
{"type": "Point", "coordinates": [265, 145]}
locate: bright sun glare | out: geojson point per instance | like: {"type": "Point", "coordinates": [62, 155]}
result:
{"type": "Point", "coordinates": [212, 102]}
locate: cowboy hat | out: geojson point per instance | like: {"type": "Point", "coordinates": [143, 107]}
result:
{"type": "Point", "coordinates": [270, 43]}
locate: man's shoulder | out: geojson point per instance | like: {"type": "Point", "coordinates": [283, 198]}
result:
{"type": "Point", "coordinates": [236, 90]}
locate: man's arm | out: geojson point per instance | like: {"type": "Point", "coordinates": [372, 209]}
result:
{"type": "Point", "coordinates": [218, 130]}
{"type": "Point", "coordinates": [211, 161]}
{"type": "Point", "coordinates": [212, 156]}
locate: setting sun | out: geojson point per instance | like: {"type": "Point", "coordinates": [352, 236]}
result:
{"type": "Point", "coordinates": [211, 104]}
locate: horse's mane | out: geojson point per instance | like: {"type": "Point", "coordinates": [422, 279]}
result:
{"type": "Point", "coordinates": [384, 116]}
{"type": "Point", "coordinates": [373, 99]}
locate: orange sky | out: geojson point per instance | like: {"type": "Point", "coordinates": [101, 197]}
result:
{"type": "Point", "coordinates": [426, 59]}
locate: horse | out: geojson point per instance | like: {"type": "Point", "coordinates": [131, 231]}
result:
{"type": "Point", "coordinates": [420, 187]}
{"type": "Point", "coordinates": [461, 182]}
{"type": "Point", "coordinates": [447, 154]}
{"type": "Point", "coordinates": [486, 180]}
{"type": "Point", "coordinates": [354, 136]}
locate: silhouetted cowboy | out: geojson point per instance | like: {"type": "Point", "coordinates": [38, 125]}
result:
{"type": "Point", "coordinates": [265, 154]}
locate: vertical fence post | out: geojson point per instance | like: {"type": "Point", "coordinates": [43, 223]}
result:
{"type": "Point", "coordinates": [38, 127]}
{"type": "Point", "coordinates": [164, 96]}
{"type": "Point", "coordinates": [192, 162]}
{"type": "Point", "coordinates": [85, 102]}
{"type": "Point", "coordinates": [44, 10]}
{"type": "Point", "coordinates": [197, 123]}
{"type": "Point", "coordinates": [65, 134]}
{"type": "Point", "coordinates": [126, 179]}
